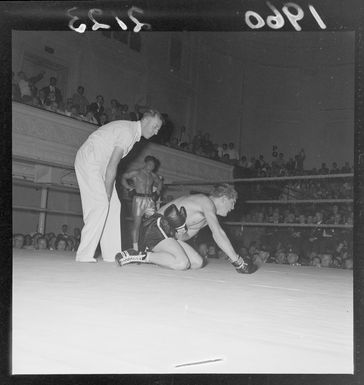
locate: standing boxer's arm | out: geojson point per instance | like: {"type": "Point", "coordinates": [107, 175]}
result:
{"type": "Point", "coordinates": [111, 169]}
{"type": "Point", "coordinates": [158, 183]}
{"type": "Point", "coordinates": [218, 233]}
{"type": "Point", "coordinates": [126, 176]}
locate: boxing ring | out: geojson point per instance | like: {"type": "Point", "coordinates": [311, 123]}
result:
{"type": "Point", "coordinates": [98, 318]}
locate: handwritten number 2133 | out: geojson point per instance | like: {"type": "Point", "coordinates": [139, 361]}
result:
{"type": "Point", "coordinates": [96, 25]}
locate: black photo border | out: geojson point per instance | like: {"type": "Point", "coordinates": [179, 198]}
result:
{"type": "Point", "coordinates": [176, 15]}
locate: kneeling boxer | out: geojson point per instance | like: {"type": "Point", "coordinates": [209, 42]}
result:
{"type": "Point", "coordinates": [157, 241]}
{"type": "Point", "coordinates": [202, 211]}
{"type": "Point", "coordinates": [176, 253]}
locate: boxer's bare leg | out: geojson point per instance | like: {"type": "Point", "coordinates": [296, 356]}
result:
{"type": "Point", "coordinates": [169, 253]}
{"type": "Point", "coordinates": [195, 258]}
{"type": "Point", "coordinates": [135, 230]}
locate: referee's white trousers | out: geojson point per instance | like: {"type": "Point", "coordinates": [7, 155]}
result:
{"type": "Point", "coordinates": [101, 217]}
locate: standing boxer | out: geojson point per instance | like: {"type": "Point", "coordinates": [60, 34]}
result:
{"type": "Point", "coordinates": [96, 164]}
{"type": "Point", "coordinates": [144, 199]}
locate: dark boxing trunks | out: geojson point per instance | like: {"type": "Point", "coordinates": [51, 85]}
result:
{"type": "Point", "coordinates": [152, 231]}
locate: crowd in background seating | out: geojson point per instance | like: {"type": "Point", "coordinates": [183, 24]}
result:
{"type": "Point", "coordinates": [302, 241]}
{"type": "Point", "coordinates": [77, 106]}
{"type": "Point", "coordinates": [295, 246]}
{"type": "Point", "coordinates": [63, 241]}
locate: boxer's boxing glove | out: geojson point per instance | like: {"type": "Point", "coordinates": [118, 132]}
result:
{"type": "Point", "coordinates": [245, 265]}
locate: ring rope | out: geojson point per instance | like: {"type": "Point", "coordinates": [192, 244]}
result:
{"type": "Point", "coordinates": [298, 201]}
{"type": "Point", "coordinates": [262, 179]}
{"type": "Point", "coordinates": [268, 224]}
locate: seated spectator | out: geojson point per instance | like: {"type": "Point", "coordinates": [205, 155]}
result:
{"type": "Point", "coordinates": [206, 144]}
{"type": "Point", "coordinates": [349, 220]}
{"type": "Point", "coordinates": [54, 107]}
{"type": "Point", "coordinates": [275, 170]}
{"type": "Point", "coordinates": [68, 108]}
{"type": "Point", "coordinates": [52, 92]}
{"type": "Point", "coordinates": [225, 158]}
{"type": "Point", "coordinates": [185, 146]}
{"type": "Point", "coordinates": [292, 258]}
{"type": "Point", "coordinates": [35, 238]}
{"type": "Point", "coordinates": [213, 154]}
{"type": "Point", "coordinates": [196, 141]}
{"type": "Point", "coordinates": [15, 90]}
{"type": "Point", "coordinates": [299, 159]}
{"type": "Point", "coordinates": [251, 166]}
{"type": "Point", "coordinates": [346, 169]}
{"type": "Point", "coordinates": [61, 244]}
{"type": "Point", "coordinates": [28, 242]}
{"type": "Point", "coordinates": [290, 166]}
{"type": "Point", "coordinates": [337, 262]}
{"type": "Point", "coordinates": [348, 264]}
{"type": "Point", "coordinates": [243, 251]}
{"type": "Point", "coordinates": [260, 163]}
{"type": "Point", "coordinates": [103, 119]}
{"type": "Point", "coordinates": [49, 236]}
{"type": "Point", "coordinates": [280, 257]}
{"type": "Point", "coordinates": [90, 118]}
{"type": "Point", "coordinates": [199, 151]}
{"type": "Point", "coordinates": [316, 261]}
{"type": "Point", "coordinates": [42, 243]}
{"type": "Point", "coordinates": [36, 102]}
{"type": "Point", "coordinates": [52, 242]}
{"type": "Point", "coordinates": [114, 111]}
{"type": "Point", "coordinates": [18, 241]}
{"type": "Point", "coordinates": [211, 251]}
{"type": "Point", "coordinates": [124, 112]}
{"type": "Point", "coordinates": [26, 85]}
{"type": "Point", "coordinates": [221, 150]}
{"type": "Point", "coordinates": [70, 244]}
{"type": "Point", "coordinates": [77, 233]}
{"type": "Point", "coordinates": [80, 100]}
{"type": "Point", "coordinates": [97, 108]}
{"type": "Point", "coordinates": [233, 153]}
{"type": "Point", "coordinates": [326, 260]}
{"type": "Point", "coordinates": [323, 169]}
{"type": "Point", "coordinates": [202, 250]}
{"type": "Point", "coordinates": [334, 169]}
{"type": "Point", "coordinates": [280, 162]}
{"type": "Point", "coordinates": [74, 112]}
{"type": "Point", "coordinates": [242, 170]}
{"type": "Point", "coordinates": [64, 232]}
{"type": "Point", "coordinates": [216, 149]}
{"type": "Point", "coordinates": [42, 98]}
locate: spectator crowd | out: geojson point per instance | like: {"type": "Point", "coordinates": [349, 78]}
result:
{"type": "Point", "coordinates": [78, 106]}
{"type": "Point", "coordinates": [316, 246]}
{"type": "Point", "coordinates": [300, 241]}
{"type": "Point", "coordinates": [50, 98]}
{"type": "Point", "coordinates": [63, 241]}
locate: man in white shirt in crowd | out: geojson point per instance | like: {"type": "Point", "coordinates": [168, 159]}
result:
{"type": "Point", "coordinates": [232, 152]}
{"type": "Point", "coordinates": [25, 85]}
